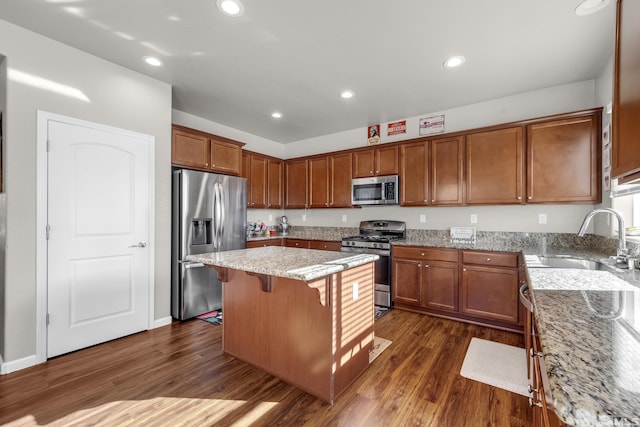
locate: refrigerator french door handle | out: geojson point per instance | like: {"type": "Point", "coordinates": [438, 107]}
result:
{"type": "Point", "coordinates": [217, 213]}
{"type": "Point", "coordinates": [223, 209]}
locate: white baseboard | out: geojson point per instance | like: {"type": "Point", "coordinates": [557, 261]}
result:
{"type": "Point", "coordinates": [162, 322]}
{"type": "Point", "coordinates": [16, 365]}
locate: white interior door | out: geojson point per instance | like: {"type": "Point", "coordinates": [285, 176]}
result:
{"type": "Point", "coordinates": [98, 275]}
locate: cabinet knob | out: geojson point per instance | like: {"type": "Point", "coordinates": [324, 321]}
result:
{"type": "Point", "coordinates": [377, 171]}
{"type": "Point", "coordinates": [432, 200]}
{"type": "Point", "coordinates": [519, 197]}
{"type": "Point", "coordinates": [426, 266]}
{"type": "Point", "coordinates": [419, 265]}
{"type": "Point", "coordinates": [464, 269]}
{"type": "Point", "coordinates": [488, 259]}
{"type": "Point", "coordinates": [533, 403]}
{"type": "Point", "coordinates": [206, 164]}
{"type": "Point", "coordinates": [531, 389]}
{"type": "Point", "coordinates": [422, 254]}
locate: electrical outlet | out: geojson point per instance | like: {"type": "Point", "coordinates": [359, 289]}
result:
{"type": "Point", "coordinates": [304, 217]}
{"type": "Point", "coordinates": [270, 218]}
{"type": "Point", "coordinates": [423, 218]}
{"type": "Point", "coordinates": [473, 219]}
{"type": "Point", "coordinates": [355, 291]}
{"type": "Point", "coordinates": [344, 218]}
{"type": "Point", "coordinates": [542, 218]}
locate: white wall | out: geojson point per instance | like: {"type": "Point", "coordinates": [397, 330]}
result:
{"type": "Point", "coordinates": [115, 96]}
{"type": "Point", "coordinates": [539, 103]}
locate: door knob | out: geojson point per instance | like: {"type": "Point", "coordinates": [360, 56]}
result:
{"type": "Point", "coordinates": [139, 245]}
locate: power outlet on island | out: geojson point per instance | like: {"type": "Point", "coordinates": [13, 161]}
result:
{"type": "Point", "coordinates": [355, 291]}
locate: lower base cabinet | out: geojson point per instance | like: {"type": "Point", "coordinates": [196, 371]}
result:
{"type": "Point", "coordinates": [323, 245]}
{"type": "Point", "coordinates": [474, 286]}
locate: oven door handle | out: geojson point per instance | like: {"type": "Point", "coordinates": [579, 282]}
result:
{"type": "Point", "coordinates": [382, 252]}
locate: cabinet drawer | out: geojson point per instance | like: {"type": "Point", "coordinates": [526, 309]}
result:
{"type": "Point", "coordinates": [432, 254]}
{"type": "Point", "coordinates": [325, 245]}
{"type": "Point", "coordinates": [297, 243]}
{"type": "Point", "coordinates": [496, 259]}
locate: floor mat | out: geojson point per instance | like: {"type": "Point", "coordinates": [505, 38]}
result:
{"type": "Point", "coordinates": [379, 311]}
{"type": "Point", "coordinates": [496, 364]}
{"type": "Point", "coordinates": [213, 317]}
{"type": "Point", "coordinates": [379, 345]}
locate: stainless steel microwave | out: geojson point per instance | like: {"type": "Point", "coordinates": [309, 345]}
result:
{"type": "Point", "coordinates": [377, 190]}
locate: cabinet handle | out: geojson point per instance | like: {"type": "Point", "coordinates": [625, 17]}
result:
{"type": "Point", "coordinates": [534, 354]}
{"type": "Point", "coordinates": [531, 389]}
{"type": "Point", "coordinates": [533, 403]}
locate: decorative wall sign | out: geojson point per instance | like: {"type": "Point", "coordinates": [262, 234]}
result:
{"type": "Point", "coordinates": [397, 128]}
{"type": "Point", "coordinates": [431, 125]}
{"type": "Point", "coordinates": [373, 134]}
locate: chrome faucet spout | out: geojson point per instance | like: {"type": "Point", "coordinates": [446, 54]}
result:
{"type": "Point", "coordinates": [621, 257]}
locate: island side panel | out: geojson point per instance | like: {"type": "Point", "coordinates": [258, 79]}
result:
{"type": "Point", "coordinates": [287, 332]}
{"type": "Point", "coordinates": [353, 293]}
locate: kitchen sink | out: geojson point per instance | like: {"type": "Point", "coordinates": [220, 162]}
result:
{"type": "Point", "coordinates": [573, 263]}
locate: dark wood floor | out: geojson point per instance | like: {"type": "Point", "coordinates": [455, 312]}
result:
{"type": "Point", "coordinates": [178, 376]}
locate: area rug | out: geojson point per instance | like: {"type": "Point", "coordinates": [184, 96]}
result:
{"type": "Point", "coordinates": [213, 317]}
{"type": "Point", "coordinates": [496, 364]}
{"type": "Point", "coordinates": [379, 345]}
{"type": "Point", "coordinates": [378, 311]}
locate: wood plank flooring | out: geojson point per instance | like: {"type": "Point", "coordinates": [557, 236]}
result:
{"type": "Point", "coordinates": [178, 376]}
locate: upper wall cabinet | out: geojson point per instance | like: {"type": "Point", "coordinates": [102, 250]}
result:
{"type": "Point", "coordinates": [563, 160]}
{"type": "Point", "coordinates": [626, 94]}
{"type": "Point", "coordinates": [495, 167]}
{"type": "Point", "coordinates": [414, 174]}
{"type": "Point", "coordinates": [199, 150]}
{"type": "Point", "coordinates": [375, 161]}
{"type": "Point", "coordinates": [264, 180]}
{"type": "Point", "coordinates": [447, 171]}
{"type": "Point", "coordinates": [329, 181]}
{"type": "Point", "coordinates": [295, 178]}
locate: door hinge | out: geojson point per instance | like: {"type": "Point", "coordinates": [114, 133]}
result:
{"type": "Point", "coordinates": [47, 319]}
{"type": "Point", "coordinates": [47, 230]}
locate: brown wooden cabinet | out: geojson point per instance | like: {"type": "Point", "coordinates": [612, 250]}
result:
{"type": "Point", "coordinates": [325, 245]}
{"type": "Point", "coordinates": [447, 171]}
{"type": "Point", "coordinates": [495, 167]}
{"type": "Point", "coordinates": [626, 95]}
{"type": "Point", "coordinates": [375, 161]}
{"type": "Point", "coordinates": [414, 174]}
{"type": "Point", "coordinates": [318, 196]}
{"type": "Point", "coordinates": [490, 286]}
{"type": "Point", "coordinates": [264, 243]}
{"type": "Point", "coordinates": [297, 243]}
{"type": "Point", "coordinates": [199, 150]}
{"type": "Point", "coordinates": [563, 160]}
{"type": "Point", "coordinates": [264, 180]}
{"type": "Point", "coordinates": [340, 173]}
{"type": "Point", "coordinates": [295, 172]}
{"type": "Point", "coordinates": [425, 278]}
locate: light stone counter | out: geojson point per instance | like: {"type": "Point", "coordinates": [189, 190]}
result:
{"type": "Point", "coordinates": [589, 327]}
{"type": "Point", "coordinates": [292, 263]}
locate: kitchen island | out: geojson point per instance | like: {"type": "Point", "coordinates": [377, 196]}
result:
{"type": "Point", "coordinates": [305, 316]}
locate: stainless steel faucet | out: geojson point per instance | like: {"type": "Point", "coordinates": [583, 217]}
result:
{"type": "Point", "coordinates": [621, 256]}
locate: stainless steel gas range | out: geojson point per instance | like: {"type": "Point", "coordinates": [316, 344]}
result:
{"type": "Point", "coordinates": [375, 238]}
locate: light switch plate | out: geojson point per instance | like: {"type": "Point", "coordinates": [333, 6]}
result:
{"type": "Point", "coordinates": [423, 218]}
{"type": "Point", "coordinates": [355, 291]}
{"type": "Point", "coordinates": [542, 218]}
{"type": "Point", "coordinates": [473, 219]}
{"type": "Point", "coordinates": [344, 218]}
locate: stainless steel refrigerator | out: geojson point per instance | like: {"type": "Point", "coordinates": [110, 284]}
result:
{"type": "Point", "coordinates": [209, 214]}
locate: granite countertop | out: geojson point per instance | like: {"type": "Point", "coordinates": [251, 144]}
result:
{"type": "Point", "coordinates": [589, 327]}
{"type": "Point", "coordinates": [292, 263]}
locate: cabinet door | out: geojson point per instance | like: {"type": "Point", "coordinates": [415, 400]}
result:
{"type": "Point", "coordinates": [414, 174]}
{"type": "Point", "coordinates": [296, 184]}
{"type": "Point", "coordinates": [274, 184]}
{"type": "Point", "coordinates": [407, 281]}
{"type": "Point", "coordinates": [246, 173]}
{"type": "Point", "coordinates": [319, 182]}
{"type": "Point", "coordinates": [563, 160]}
{"type": "Point", "coordinates": [189, 150]}
{"type": "Point", "coordinates": [363, 164]}
{"type": "Point", "coordinates": [490, 293]}
{"type": "Point", "coordinates": [258, 192]}
{"type": "Point", "coordinates": [446, 166]}
{"type": "Point", "coordinates": [226, 157]}
{"type": "Point", "coordinates": [441, 285]}
{"type": "Point", "coordinates": [340, 180]}
{"type": "Point", "coordinates": [494, 164]}
{"type": "Point", "coordinates": [626, 93]}
{"type": "Point", "coordinates": [386, 160]}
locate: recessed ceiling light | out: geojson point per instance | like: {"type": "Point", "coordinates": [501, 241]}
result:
{"type": "Point", "coordinates": [153, 61]}
{"type": "Point", "coordinates": [276, 115]}
{"type": "Point", "coordinates": [347, 94]}
{"type": "Point", "coordinates": [454, 61]}
{"type": "Point", "coordinates": [230, 7]}
{"type": "Point", "coordinates": [587, 7]}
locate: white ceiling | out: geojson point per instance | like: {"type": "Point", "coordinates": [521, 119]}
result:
{"type": "Point", "coordinates": [294, 56]}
